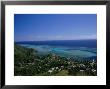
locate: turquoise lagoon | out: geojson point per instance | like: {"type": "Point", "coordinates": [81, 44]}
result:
{"type": "Point", "coordinates": [64, 51]}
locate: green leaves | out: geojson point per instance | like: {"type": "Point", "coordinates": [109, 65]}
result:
{"type": "Point", "coordinates": [28, 63]}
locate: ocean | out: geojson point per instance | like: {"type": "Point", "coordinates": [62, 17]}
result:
{"type": "Point", "coordinates": [77, 49]}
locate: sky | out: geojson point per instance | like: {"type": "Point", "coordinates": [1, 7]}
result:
{"type": "Point", "coordinates": [41, 27]}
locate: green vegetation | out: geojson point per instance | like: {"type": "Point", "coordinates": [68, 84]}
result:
{"type": "Point", "coordinates": [28, 63]}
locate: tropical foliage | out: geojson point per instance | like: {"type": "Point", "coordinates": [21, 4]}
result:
{"type": "Point", "coordinates": [28, 63]}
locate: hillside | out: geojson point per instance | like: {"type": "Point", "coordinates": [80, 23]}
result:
{"type": "Point", "coordinates": [28, 63]}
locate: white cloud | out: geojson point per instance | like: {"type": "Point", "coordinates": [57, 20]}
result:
{"type": "Point", "coordinates": [91, 36]}
{"type": "Point", "coordinates": [57, 37]}
{"type": "Point", "coordinates": [61, 37]}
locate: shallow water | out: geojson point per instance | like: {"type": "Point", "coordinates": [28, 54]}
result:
{"type": "Point", "coordinates": [81, 52]}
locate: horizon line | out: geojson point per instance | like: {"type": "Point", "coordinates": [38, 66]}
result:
{"type": "Point", "coordinates": [53, 40]}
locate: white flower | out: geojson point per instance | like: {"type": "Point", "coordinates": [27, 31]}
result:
{"type": "Point", "coordinates": [81, 70]}
{"type": "Point", "coordinates": [93, 70]}
{"type": "Point", "coordinates": [56, 67]}
{"type": "Point", "coordinates": [62, 66]}
{"type": "Point", "coordinates": [59, 70]}
{"type": "Point", "coordinates": [82, 65]}
{"type": "Point", "coordinates": [52, 68]}
{"type": "Point", "coordinates": [68, 62]}
{"type": "Point", "coordinates": [50, 71]}
{"type": "Point", "coordinates": [73, 66]}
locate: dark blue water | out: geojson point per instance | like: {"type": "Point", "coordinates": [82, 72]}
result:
{"type": "Point", "coordinates": [73, 43]}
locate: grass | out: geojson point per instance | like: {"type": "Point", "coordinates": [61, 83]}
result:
{"type": "Point", "coordinates": [62, 73]}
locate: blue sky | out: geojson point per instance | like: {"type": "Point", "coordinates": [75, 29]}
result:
{"type": "Point", "coordinates": [39, 27]}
